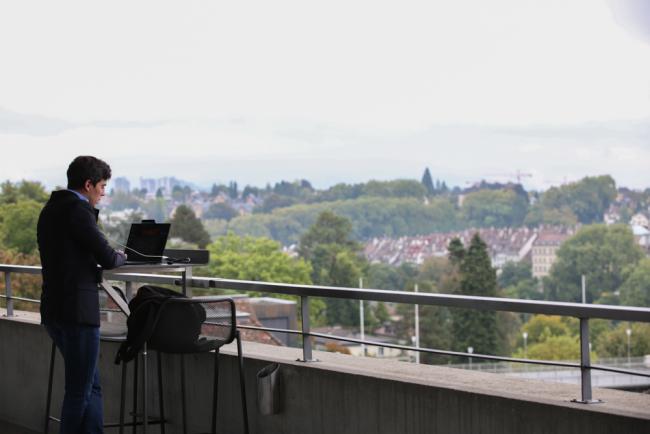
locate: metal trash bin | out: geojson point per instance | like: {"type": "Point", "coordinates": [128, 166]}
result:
{"type": "Point", "coordinates": [268, 389]}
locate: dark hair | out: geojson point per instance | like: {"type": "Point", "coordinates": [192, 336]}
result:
{"type": "Point", "coordinates": [85, 168]}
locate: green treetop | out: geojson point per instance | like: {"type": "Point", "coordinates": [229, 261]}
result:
{"type": "Point", "coordinates": [604, 254]}
{"type": "Point", "coordinates": [636, 289]}
{"type": "Point", "coordinates": [18, 225]}
{"type": "Point", "coordinates": [260, 259]}
{"type": "Point", "coordinates": [186, 226]}
{"type": "Point", "coordinates": [427, 181]}
{"type": "Point", "coordinates": [475, 328]}
{"type": "Point", "coordinates": [495, 208]}
{"type": "Point", "coordinates": [585, 200]}
{"type": "Point", "coordinates": [328, 229]}
{"type": "Point", "coordinates": [336, 261]}
{"type": "Point", "coordinates": [24, 190]}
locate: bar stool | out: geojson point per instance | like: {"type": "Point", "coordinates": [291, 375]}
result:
{"type": "Point", "coordinates": [218, 327]}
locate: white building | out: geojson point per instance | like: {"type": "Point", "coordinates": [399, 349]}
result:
{"type": "Point", "coordinates": [544, 252]}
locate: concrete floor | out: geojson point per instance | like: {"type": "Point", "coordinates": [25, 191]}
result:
{"type": "Point", "coordinates": [7, 428]}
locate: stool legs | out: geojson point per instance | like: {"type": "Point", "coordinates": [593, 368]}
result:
{"type": "Point", "coordinates": [134, 420]}
{"type": "Point", "coordinates": [49, 390]}
{"type": "Point", "coordinates": [215, 391]}
{"type": "Point", "coordinates": [160, 393]}
{"type": "Point", "coordinates": [122, 397]}
{"type": "Point", "coordinates": [183, 394]}
{"type": "Point", "coordinates": [134, 416]}
{"type": "Point", "coordinates": [241, 381]}
{"type": "Point", "coordinates": [145, 407]}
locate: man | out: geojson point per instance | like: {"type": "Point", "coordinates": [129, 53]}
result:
{"type": "Point", "coordinates": [71, 248]}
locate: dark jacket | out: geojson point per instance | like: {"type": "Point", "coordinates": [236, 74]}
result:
{"type": "Point", "coordinates": [71, 247]}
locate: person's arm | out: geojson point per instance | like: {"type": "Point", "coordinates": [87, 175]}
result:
{"type": "Point", "coordinates": [84, 230]}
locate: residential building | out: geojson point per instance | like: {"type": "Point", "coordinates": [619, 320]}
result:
{"type": "Point", "coordinates": [544, 251]}
{"type": "Point", "coordinates": [639, 220]}
{"type": "Point", "coordinates": [504, 245]}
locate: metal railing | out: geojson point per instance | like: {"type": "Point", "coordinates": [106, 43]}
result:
{"type": "Point", "coordinates": [583, 312]}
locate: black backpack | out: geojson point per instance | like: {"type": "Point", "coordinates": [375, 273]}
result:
{"type": "Point", "coordinates": [165, 325]}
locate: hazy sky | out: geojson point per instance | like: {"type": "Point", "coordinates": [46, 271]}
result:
{"type": "Point", "coordinates": [335, 91]}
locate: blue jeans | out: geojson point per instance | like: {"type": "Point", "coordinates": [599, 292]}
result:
{"type": "Point", "coordinates": [82, 411]}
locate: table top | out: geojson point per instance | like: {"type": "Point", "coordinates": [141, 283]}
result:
{"type": "Point", "coordinates": [143, 268]}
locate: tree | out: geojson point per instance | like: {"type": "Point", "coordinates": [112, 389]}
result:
{"type": "Point", "coordinates": [24, 190]}
{"type": "Point", "coordinates": [587, 199]}
{"type": "Point", "coordinates": [396, 188]}
{"type": "Point", "coordinates": [335, 266]}
{"type": "Point", "coordinates": [494, 208]}
{"type": "Point", "coordinates": [250, 191]}
{"type": "Point", "coordinates": [273, 201]}
{"type": "Point", "coordinates": [156, 209]}
{"type": "Point", "coordinates": [636, 289]}
{"type": "Point", "coordinates": [139, 192]}
{"type": "Point", "coordinates": [233, 191]}
{"type": "Point", "coordinates": [335, 261]}
{"type": "Point", "coordinates": [613, 343]}
{"type": "Point", "coordinates": [388, 277]}
{"type": "Point", "coordinates": [474, 328]}
{"type": "Point", "coordinates": [220, 211]}
{"type": "Point", "coordinates": [552, 337]}
{"type": "Point", "coordinates": [435, 332]}
{"type": "Point", "coordinates": [181, 194]}
{"type": "Point", "coordinates": [8, 193]}
{"type": "Point", "coordinates": [18, 225]}
{"type": "Point", "coordinates": [427, 181]}
{"type": "Point", "coordinates": [553, 348]}
{"type": "Point", "coordinates": [604, 254]}
{"type": "Point", "coordinates": [260, 259]}
{"type": "Point", "coordinates": [329, 228]}
{"type": "Point", "coordinates": [541, 327]}
{"type": "Point", "coordinates": [514, 272]}
{"type": "Point", "coordinates": [186, 226]}
{"type": "Point", "coordinates": [295, 190]}
{"type": "Point", "coordinates": [538, 215]}
{"type": "Point", "coordinates": [456, 251]}
{"type": "Point", "coordinates": [216, 189]}
{"type": "Point", "coordinates": [516, 281]}
{"type": "Point", "coordinates": [340, 192]}
{"type": "Point", "coordinates": [370, 217]}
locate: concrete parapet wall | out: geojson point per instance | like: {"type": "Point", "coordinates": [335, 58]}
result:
{"type": "Point", "coordinates": [339, 394]}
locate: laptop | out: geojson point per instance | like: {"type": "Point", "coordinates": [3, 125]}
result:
{"type": "Point", "coordinates": [146, 242]}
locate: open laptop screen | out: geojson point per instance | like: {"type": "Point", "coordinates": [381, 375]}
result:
{"type": "Point", "coordinates": [146, 242]}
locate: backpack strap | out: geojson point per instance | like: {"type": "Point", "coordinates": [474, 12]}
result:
{"type": "Point", "coordinates": [141, 324]}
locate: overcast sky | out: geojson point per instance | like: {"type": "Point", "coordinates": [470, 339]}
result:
{"type": "Point", "coordinates": [331, 91]}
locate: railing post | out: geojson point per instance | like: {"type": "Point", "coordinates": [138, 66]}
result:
{"type": "Point", "coordinates": [585, 364]}
{"type": "Point", "coordinates": [306, 339]}
{"type": "Point", "coordinates": [128, 291]}
{"type": "Point", "coordinates": [10, 301]}
{"type": "Point", "coordinates": [186, 276]}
